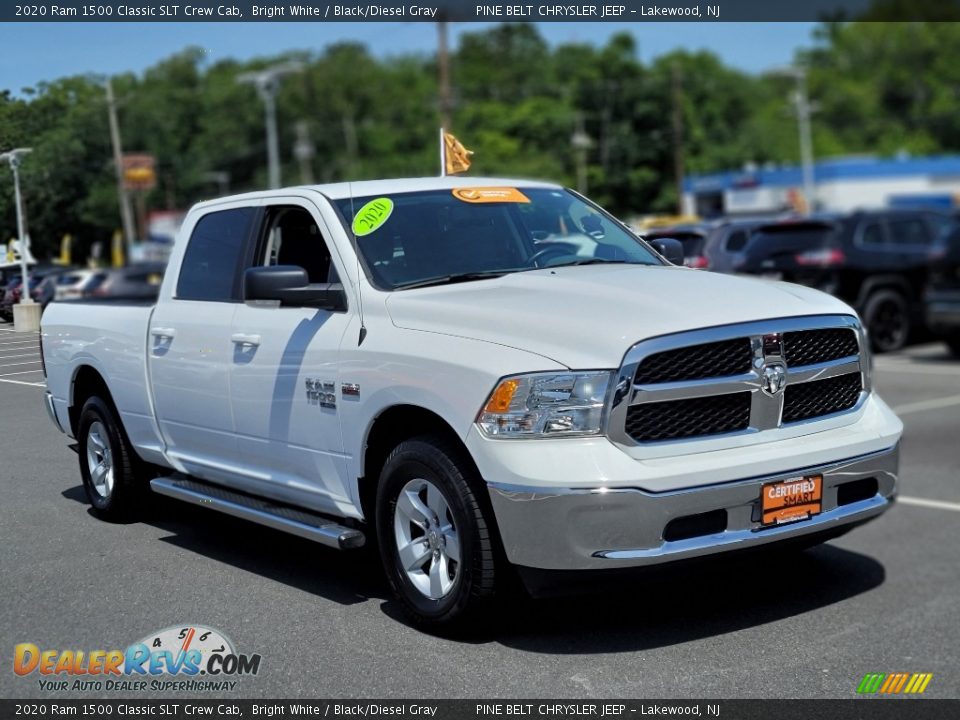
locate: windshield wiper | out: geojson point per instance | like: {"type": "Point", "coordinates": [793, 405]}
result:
{"type": "Point", "coordinates": [454, 278]}
{"type": "Point", "coordinates": [596, 261]}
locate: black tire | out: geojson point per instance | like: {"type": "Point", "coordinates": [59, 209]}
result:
{"type": "Point", "coordinates": [437, 461]}
{"type": "Point", "coordinates": [124, 495]}
{"type": "Point", "coordinates": [953, 342]}
{"type": "Point", "coordinates": [886, 315]}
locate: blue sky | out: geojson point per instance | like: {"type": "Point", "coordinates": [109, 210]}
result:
{"type": "Point", "coordinates": [33, 52]}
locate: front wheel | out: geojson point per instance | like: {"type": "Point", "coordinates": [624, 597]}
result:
{"type": "Point", "coordinates": [435, 542]}
{"type": "Point", "coordinates": [107, 462]}
{"type": "Point", "coordinates": [887, 318]}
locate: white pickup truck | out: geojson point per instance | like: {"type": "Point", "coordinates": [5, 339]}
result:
{"type": "Point", "coordinates": [486, 376]}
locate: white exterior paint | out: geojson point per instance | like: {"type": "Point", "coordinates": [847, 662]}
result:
{"type": "Point", "coordinates": [188, 403]}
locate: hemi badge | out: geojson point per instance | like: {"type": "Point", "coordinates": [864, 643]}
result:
{"type": "Point", "coordinates": [350, 389]}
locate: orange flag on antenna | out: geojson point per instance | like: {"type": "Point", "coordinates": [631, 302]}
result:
{"type": "Point", "coordinates": [456, 158]}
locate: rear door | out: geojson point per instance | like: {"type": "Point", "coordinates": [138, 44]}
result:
{"type": "Point", "coordinates": [284, 374]}
{"type": "Point", "coordinates": [189, 348]}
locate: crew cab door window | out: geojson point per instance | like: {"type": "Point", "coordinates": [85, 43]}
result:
{"type": "Point", "coordinates": [284, 376]}
{"type": "Point", "coordinates": [211, 263]}
{"type": "Point", "coordinates": [293, 238]}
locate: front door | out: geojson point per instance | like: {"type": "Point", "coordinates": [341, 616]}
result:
{"type": "Point", "coordinates": [284, 376]}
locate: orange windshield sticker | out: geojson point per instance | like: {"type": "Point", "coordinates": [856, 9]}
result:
{"type": "Point", "coordinates": [490, 195]}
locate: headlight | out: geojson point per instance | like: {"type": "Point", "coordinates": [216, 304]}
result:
{"type": "Point", "coordinates": [546, 405]}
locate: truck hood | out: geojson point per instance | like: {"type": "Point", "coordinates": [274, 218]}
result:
{"type": "Point", "coordinates": [588, 316]}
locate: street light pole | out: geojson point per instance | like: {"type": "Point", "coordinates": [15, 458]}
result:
{"type": "Point", "coordinates": [581, 143]}
{"type": "Point", "coordinates": [803, 109]}
{"type": "Point", "coordinates": [13, 158]}
{"type": "Point", "coordinates": [267, 83]}
{"type": "Point", "coordinates": [26, 314]}
{"type": "Point", "coordinates": [802, 102]}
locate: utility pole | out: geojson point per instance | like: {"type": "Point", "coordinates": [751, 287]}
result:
{"type": "Point", "coordinates": [443, 68]}
{"type": "Point", "coordinates": [267, 83]}
{"type": "Point", "coordinates": [26, 313]}
{"type": "Point", "coordinates": [677, 126]}
{"type": "Point", "coordinates": [126, 212]}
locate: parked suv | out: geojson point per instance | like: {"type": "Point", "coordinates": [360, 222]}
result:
{"type": "Point", "coordinates": [874, 260]}
{"type": "Point", "coordinates": [943, 290]}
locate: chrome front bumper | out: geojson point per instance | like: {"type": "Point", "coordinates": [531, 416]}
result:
{"type": "Point", "coordinates": [591, 529]}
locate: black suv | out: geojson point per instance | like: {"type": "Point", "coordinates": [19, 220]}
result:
{"type": "Point", "coordinates": [943, 288]}
{"type": "Point", "coordinates": [874, 260]}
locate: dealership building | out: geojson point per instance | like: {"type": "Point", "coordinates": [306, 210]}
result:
{"type": "Point", "coordinates": [842, 185]}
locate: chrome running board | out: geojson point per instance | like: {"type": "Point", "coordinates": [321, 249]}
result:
{"type": "Point", "coordinates": [279, 517]}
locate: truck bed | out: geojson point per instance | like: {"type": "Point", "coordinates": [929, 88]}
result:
{"type": "Point", "coordinates": [110, 336]}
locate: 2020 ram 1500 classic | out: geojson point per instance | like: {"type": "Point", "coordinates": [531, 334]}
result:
{"type": "Point", "coordinates": [479, 374]}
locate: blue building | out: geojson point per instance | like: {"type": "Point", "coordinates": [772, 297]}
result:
{"type": "Point", "coordinates": [842, 184]}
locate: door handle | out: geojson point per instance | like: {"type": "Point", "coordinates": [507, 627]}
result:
{"type": "Point", "coordinates": [244, 339]}
{"type": "Point", "coordinates": [162, 332]}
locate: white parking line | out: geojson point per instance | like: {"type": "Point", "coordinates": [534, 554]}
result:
{"type": "Point", "coordinates": [20, 372]}
{"type": "Point", "coordinates": [21, 382]}
{"type": "Point", "coordinates": [11, 357]}
{"type": "Point", "coordinates": [923, 502]}
{"type": "Point", "coordinates": [921, 405]}
{"type": "Point", "coordinates": [19, 348]}
{"type": "Point", "coordinates": [28, 362]}
{"type": "Point", "coordinates": [902, 367]}
{"type": "Point", "coordinates": [32, 341]}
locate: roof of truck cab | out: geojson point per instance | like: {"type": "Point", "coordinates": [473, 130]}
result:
{"type": "Point", "coordinates": [368, 188]}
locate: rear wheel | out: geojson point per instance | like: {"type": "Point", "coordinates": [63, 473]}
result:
{"type": "Point", "coordinates": [435, 542]}
{"type": "Point", "coordinates": [108, 465]}
{"type": "Point", "coordinates": [887, 318]}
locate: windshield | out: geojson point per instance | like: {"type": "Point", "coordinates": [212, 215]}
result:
{"type": "Point", "coordinates": [421, 238]}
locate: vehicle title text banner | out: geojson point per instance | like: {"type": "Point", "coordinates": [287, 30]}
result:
{"type": "Point", "coordinates": [176, 707]}
{"type": "Point", "coordinates": [464, 11]}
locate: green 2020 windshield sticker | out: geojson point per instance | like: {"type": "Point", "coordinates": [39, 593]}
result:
{"type": "Point", "coordinates": [372, 216]}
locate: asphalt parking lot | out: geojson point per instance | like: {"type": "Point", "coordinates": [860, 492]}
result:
{"type": "Point", "coordinates": [885, 598]}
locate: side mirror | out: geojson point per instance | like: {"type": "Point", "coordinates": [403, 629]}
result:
{"type": "Point", "coordinates": [670, 248]}
{"type": "Point", "coordinates": [290, 285]}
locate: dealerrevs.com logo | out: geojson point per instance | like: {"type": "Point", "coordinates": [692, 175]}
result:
{"type": "Point", "coordinates": [181, 657]}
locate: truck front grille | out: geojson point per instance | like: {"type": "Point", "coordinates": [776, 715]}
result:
{"type": "Point", "coordinates": [738, 378]}
{"type": "Point", "coordinates": [718, 359]}
{"type": "Point", "coordinates": [696, 417]}
{"type": "Point", "coordinates": [821, 397]}
{"type": "Point", "coordinates": [809, 347]}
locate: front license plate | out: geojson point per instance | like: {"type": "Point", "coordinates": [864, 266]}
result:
{"type": "Point", "coordinates": [790, 500]}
